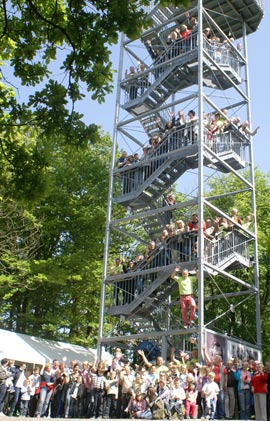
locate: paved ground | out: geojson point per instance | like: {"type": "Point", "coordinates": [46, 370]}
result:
{"type": "Point", "coordinates": [80, 419]}
{"type": "Point", "coordinates": [19, 418]}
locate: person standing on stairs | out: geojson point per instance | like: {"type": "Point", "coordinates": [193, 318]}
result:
{"type": "Point", "coordinates": [187, 301]}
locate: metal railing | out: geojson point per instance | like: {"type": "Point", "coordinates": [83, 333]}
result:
{"type": "Point", "coordinates": [166, 63]}
{"type": "Point", "coordinates": [225, 248]}
{"type": "Point", "coordinates": [229, 141]}
{"type": "Point", "coordinates": [223, 55]}
{"type": "Point", "coordinates": [125, 288]}
{"type": "Point", "coordinates": [132, 177]}
{"type": "Point", "coordinates": [136, 86]}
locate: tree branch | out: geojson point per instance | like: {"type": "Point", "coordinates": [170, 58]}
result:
{"type": "Point", "coordinates": [55, 25]}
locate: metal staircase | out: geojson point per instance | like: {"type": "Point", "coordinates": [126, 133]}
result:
{"type": "Point", "coordinates": [142, 183]}
{"type": "Point", "coordinates": [249, 11]}
{"type": "Point", "coordinates": [161, 15]}
{"type": "Point", "coordinates": [148, 180]}
{"type": "Point", "coordinates": [172, 71]}
{"type": "Point", "coordinates": [229, 251]}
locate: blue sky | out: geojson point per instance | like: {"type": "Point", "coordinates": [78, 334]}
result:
{"type": "Point", "coordinates": [259, 64]}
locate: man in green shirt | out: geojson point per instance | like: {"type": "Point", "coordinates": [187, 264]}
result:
{"type": "Point", "coordinates": [187, 302]}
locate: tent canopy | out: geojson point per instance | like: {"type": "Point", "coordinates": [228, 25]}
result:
{"type": "Point", "coordinates": [13, 347]}
{"type": "Point", "coordinates": [38, 351]}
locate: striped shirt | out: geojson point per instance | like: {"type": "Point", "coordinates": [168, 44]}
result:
{"type": "Point", "coordinates": [98, 381]}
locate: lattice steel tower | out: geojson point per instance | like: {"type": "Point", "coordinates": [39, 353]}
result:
{"type": "Point", "coordinates": [182, 89]}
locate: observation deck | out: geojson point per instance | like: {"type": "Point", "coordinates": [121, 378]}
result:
{"type": "Point", "coordinates": [226, 14]}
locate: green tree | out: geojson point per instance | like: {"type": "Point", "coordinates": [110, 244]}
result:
{"type": "Point", "coordinates": [59, 50]}
{"type": "Point", "coordinates": [52, 53]}
{"type": "Point", "coordinates": [59, 295]}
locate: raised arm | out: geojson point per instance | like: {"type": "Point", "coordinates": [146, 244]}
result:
{"type": "Point", "coordinates": [173, 355]}
{"type": "Point", "coordinates": [206, 355]}
{"type": "Point", "coordinates": [175, 272]}
{"type": "Point", "coordinates": [145, 360]}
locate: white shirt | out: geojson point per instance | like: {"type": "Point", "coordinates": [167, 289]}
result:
{"type": "Point", "coordinates": [20, 380]}
{"type": "Point", "coordinates": [211, 390]}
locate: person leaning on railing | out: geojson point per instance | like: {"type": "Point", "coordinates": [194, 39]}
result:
{"type": "Point", "coordinates": [244, 129]}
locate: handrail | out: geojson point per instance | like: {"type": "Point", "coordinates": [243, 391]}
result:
{"type": "Point", "coordinates": [137, 85]}
{"type": "Point", "coordinates": [223, 54]}
{"type": "Point", "coordinates": [134, 176]}
{"type": "Point", "coordinates": [181, 248]}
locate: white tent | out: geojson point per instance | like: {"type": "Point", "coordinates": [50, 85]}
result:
{"type": "Point", "coordinates": [13, 347]}
{"type": "Point", "coordinates": [38, 351]}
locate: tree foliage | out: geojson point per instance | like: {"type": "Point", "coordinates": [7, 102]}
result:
{"type": "Point", "coordinates": [53, 288]}
{"type": "Point", "coordinates": [71, 39]}
{"type": "Point", "coordinates": [52, 52]}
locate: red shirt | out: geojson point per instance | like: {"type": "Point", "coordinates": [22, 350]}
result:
{"type": "Point", "coordinates": [194, 226]}
{"type": "Point", "coordinates": [216, 370]}
{"type": "Point", "coordinates": [258, 382]}
{"type": "Point", "coordinates": [186, 34]}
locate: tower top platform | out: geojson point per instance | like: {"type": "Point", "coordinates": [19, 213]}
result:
{"type": "Point", "coordinates": [229, 15]}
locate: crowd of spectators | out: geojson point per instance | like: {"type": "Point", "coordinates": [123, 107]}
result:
{"type": "Point", "coordinates": [179, 388]}
{"type": "Point", "coordinates": [182, 130]}
{"type": "Point", "coordinates": [179, 40]}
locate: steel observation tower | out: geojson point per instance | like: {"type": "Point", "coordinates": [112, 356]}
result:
{"type": "Point", "coordinates": [169, 87]}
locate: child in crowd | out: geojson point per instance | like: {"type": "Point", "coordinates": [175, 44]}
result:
{"type": "Point", "coordinates": [136, 406]}
{"type": "Point", "coordinates": [25, 397]}
{"type": "Point", "coordinates": [210, 391]}
{"type": "Point", "coordinates": [191, 399]}
{"type": "Point", "coordinates": [111, 386]}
